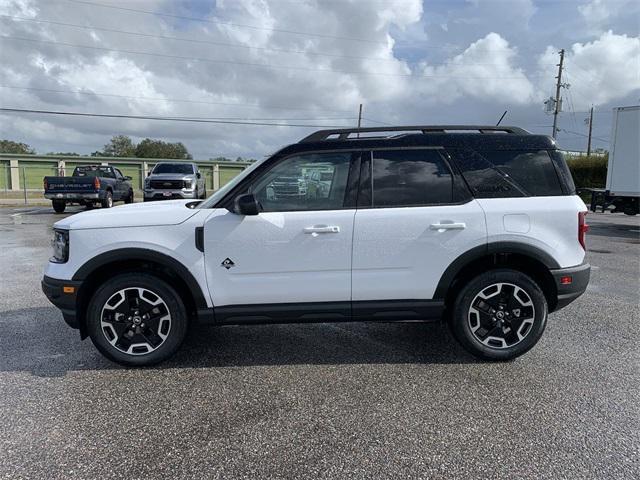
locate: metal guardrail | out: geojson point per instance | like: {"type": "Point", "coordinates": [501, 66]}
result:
{"type": "Point", "coordinates": [21, 175]}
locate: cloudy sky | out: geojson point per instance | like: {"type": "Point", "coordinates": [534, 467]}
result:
{"type": "Point", "coordinates": [308, 62]}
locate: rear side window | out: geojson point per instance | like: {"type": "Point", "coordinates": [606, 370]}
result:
{"type": "Point", "coordinates": [404, 178]}
{"type": "Point", "coordinates": [509, 173]}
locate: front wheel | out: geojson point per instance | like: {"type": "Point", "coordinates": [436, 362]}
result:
{"type": "Point", "coordinates": [58, 205]}
{"type": "Point", "coordinates": [108, 200]}
{"type": "Point", "coordinates": [499, 315]}
{"type": "Point", "coordinates": [136, 319]}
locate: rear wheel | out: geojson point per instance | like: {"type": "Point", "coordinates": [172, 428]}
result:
{"type": "Point", "coordinates": [107, 202]}
{"type": "Point", "coordinates": [58, 205]}
{"type": "Point", "coordinates": [136, 320]}
{"type": "Point", "coordinates": [499, 315]}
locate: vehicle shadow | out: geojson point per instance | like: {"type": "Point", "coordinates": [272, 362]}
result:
{"type": "Point", "coordinates": [619, 229]}
{"type": "Point", "coordinates": [37, 340]}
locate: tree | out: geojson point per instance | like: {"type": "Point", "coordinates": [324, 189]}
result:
{"type": "Point", "coordinates": [9, 146]}
{"type": "Point", "coordinates": [118, 146]}
{"type": "Point", "coordinates": [64, 154]}
{"type": "Point", "coordinates": [149, 148]}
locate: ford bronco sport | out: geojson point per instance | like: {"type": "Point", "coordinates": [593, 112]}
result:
{"type": "Point", "coordinates": [478, 226]}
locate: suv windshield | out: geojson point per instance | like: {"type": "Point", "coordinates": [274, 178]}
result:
{"type": "Point", "coordinates": [180, 168]}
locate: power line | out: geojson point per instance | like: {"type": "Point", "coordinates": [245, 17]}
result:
{"type": "Point", "coordinates": [582, 134]}
{"type": "Point", "coordinates": [194, 40]}
{"type": "Point", "coordinates": [169, 119]}
{"type": "Point", "coordinates": [232, 45]}
{"type": "Point", "coordinates": [179, 100]}
{"type": "Point", "coordinates": [224, 22]}
{"type": "Point", "coordinates": [249, 64]}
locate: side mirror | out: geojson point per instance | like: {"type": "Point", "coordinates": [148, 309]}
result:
{"type": "Point", "coordinates": [127, 177]}
{"type": "Point", "coordinates": [246, 204]}
{"type": "Point", "coordinates": [198, 175]}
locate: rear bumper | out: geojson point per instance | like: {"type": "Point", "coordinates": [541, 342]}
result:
{"type": "Point", "coordinates": [72, 197]}
{"type": "Point", "coordinates": [66, 302]}
{"type": "Point", "coordinates": [568, 292]}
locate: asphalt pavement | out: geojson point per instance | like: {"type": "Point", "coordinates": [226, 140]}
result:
{"type": "Point", "coordinates": [372, 400]}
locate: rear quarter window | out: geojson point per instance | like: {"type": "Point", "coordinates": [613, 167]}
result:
{"type": "Point", "coordinates": [509, 173]}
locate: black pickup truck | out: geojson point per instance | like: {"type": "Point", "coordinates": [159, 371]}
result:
{"type": "Point", "coordinates": [89, 185]}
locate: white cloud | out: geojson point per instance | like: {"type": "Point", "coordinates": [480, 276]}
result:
{"type": "Point", "coordinates": [485, 70]}
{"type": "Point", "coordinates": [595, 12]}
{"type": "Point", "coordinates": [599, 71]}
{"type": "Point", "coordinates": [343, 55]}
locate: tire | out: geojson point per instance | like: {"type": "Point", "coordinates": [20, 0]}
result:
{"type": "Point", "coordinates": [131, 342]}
{"type": "Point", "coordinates": [129, 198]}
{"type": "Point", "coordinates": [492, 295]}
{"type": "Point", "coordinates": [58, 205]}
{"type": "Point", "coordinates": [107, 202]}
{"type": "Point", "coordinates": [204, 194]}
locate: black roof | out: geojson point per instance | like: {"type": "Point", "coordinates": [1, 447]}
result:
{"type": "Point", "coordinates": [478, 137]}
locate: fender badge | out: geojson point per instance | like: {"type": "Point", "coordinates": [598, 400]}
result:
{"type": "Point", "coordinates": [227, 263]}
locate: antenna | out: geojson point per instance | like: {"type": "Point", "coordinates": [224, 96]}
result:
{"type": "Point", "coordinates": [503, 115]}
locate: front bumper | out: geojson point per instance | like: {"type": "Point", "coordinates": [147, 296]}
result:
{"type": "Point", "coordinates": [54, 289]}
{"type": "Point", "coordinates": [152, 194]}
{"type": "Point", "coordinates": [72, 197]}
{"type": "Point", "coordinates": [568, 292]}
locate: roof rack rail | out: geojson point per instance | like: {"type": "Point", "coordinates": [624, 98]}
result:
{"type": "Point", "coordinates": [344, 133]}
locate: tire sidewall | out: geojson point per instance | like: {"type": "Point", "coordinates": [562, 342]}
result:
{"type": "Point", "coordinates": [459, 320]}
{"type": "Point", "coordinates": [108, 200]}
{"type": "Point", "coordinates": [176, 308]}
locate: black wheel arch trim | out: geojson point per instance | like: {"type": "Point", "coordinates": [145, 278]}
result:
{"type": "Point", "coordinates": [481, 251]}
{"type": "Point", "coordinates": [137, 254]}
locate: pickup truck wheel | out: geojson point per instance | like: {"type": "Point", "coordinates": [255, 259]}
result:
{"type": "Point", "coordinates": [499, 315]}
{"type": "Point", "coordinates": [129, 198]}
{"type": "Point", "coordinates": [204, 193]}
{"type": "Point", "coordinates": [108, 200]}
{"type": "Point", "coordinates": [58, 205]}
{"type": "Point", "coordinates": [136, 319]}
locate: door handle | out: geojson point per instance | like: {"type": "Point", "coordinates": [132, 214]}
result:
{"type": "Point", "coordinates": [441, 227]}
{"type": "Point", "coordinates": [321, 229]}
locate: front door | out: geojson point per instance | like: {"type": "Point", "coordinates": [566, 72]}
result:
{"type": "Point", "coordinates": [293, 260]}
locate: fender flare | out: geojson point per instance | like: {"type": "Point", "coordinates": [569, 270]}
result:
{"type": "Point", "coordinates": [124, 254]}
{"type": "Point", "coordinates": [481, 251]}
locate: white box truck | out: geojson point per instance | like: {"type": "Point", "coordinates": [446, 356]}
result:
{"type": "Point", "coordinates": [622, 189]}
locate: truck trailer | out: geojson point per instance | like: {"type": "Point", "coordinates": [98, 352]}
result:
{"type": "Point", "coordinates": [622, 189]}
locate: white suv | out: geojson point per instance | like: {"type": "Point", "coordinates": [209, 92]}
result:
{"type": "Point", "coordinates": [479, 226]}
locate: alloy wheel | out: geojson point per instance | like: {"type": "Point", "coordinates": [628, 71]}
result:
{"type": "Point", "coordinates": [135, 321]}
{"type": "Point", "coordinates": [501, 315]}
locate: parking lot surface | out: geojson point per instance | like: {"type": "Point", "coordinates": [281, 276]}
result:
{"type": "Point", "coordinates": [375, 400]}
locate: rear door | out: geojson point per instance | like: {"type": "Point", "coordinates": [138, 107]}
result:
{"type": "Point", "coordinates": [414, 218]}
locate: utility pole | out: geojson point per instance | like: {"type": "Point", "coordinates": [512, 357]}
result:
{"type": "Point", "coordinates": [359, 120]}
{"type": "Point", "coordinates": [556, 110]}
{"type": "Point", "coordinates": [590, 130]}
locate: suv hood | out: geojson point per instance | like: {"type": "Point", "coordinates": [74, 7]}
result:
{"type": "Point", "coordinates": [166, 212]}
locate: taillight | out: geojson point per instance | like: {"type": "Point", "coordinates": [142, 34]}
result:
{"type": "Point", "coordinates": [96, 183]}
{"type": "Point", "coordinates": [45, 183]}
{"type": "Point", "coordinates": [583, 228]}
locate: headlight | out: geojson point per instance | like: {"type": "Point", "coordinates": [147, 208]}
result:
{"type": "Point", "coordinates": [60, 245]}
{"type": "Point", "coordinates": [187, 184]}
